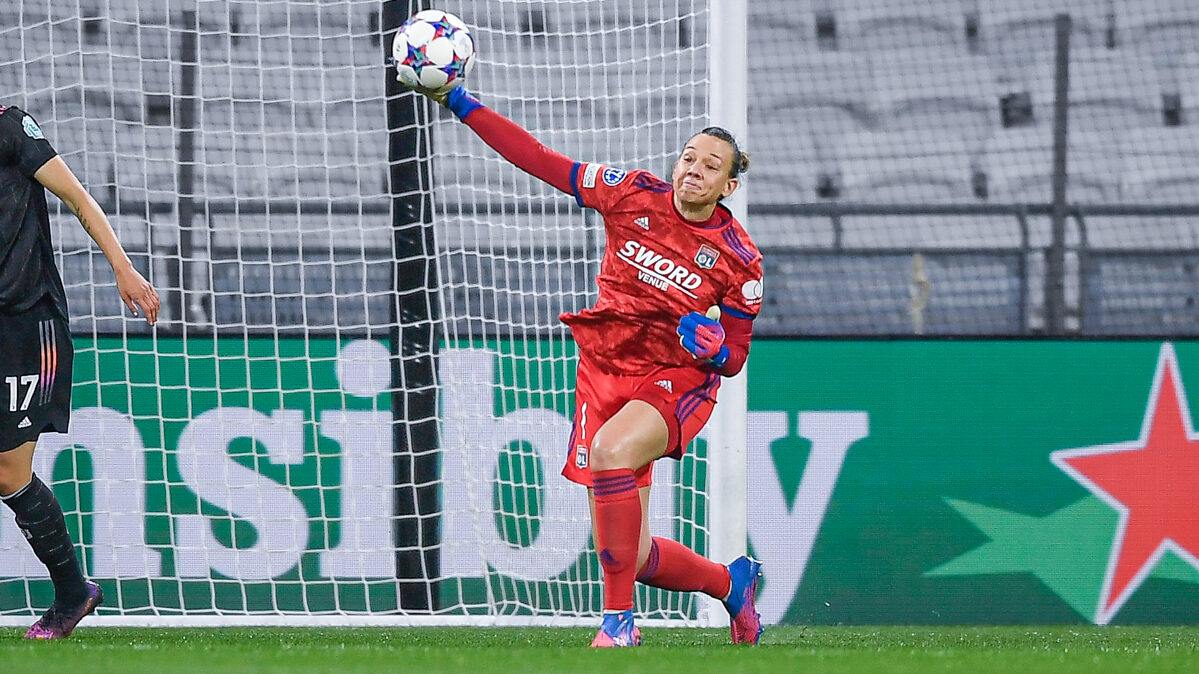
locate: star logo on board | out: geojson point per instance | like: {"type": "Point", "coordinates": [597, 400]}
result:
{"type": "Point", "coordinates": [1138, 522]}
{"type": "Point", "coordinates": [1153, 485]}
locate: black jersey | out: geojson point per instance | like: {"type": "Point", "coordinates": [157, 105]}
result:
{"type": "Point", "coordinates": [27, 268]}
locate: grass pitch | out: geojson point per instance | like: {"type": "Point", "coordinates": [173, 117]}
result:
{"type": "Point", "coordinates": [884, 650]}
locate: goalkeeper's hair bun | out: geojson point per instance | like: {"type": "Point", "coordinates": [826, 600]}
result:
{"type": "Point", "coordinates": [740, 158]}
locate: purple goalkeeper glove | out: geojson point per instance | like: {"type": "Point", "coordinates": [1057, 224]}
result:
{"type": "Point", "coordinates": [703, 337]}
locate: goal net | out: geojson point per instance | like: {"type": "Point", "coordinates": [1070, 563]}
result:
{"type": "Point", "coordinates": [357, 400]}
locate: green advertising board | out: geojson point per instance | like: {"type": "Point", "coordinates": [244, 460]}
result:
{"type": "Point", "coordinates": [889, 481]}
{"type": "Point", "coordinates": [956, 508]}
{"type": "Point", "coordinates": [212, 476]}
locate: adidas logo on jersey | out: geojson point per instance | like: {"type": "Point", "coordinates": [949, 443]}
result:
{"type": "Point", "coordinates": [642, 222]}
{"type": "Point", "coordinates": [666, 384]}
{"type": "Point", "coordinates": [25, 423]}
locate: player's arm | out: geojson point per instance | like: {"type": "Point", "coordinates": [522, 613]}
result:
{"type": "Point", "coordinates": [721, 338]}
{"type": "Point", "coordinates": [136, 292]}
{"type": "Point", "coordinates": [512, 141]}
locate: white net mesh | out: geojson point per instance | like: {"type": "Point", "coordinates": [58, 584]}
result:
{"type": "Point", "coordinates": [623, 83]}
{"type": "Point", "coordinates": [264, 454]}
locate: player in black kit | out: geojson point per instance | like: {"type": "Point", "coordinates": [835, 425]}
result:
{"type": "Point", "coordinates": [36, 351]}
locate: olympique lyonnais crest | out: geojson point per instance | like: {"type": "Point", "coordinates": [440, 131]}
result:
{"type": "Point", "coordinates": [706, 257]}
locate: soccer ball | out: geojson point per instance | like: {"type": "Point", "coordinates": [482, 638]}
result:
{"type": "Point", "coordinates": [433, 51]}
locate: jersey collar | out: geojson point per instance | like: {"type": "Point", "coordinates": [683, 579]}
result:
{"type": "Point", "coordinates": [720, 217]}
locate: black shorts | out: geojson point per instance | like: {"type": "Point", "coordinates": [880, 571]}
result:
{"type": "Point", "coordinates": [35, 375]}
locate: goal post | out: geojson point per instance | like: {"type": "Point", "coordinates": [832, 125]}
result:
{"type": "Point", "coordinates": [728, 69]}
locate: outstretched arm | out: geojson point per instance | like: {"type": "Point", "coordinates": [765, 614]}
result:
{"type": "Point", "coordinates": [512, 141]}
{"type": "Point", "coordinates": [135, 290]}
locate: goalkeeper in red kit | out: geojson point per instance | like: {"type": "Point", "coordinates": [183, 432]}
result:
{"type": "Point", "coordinates": [679, 286]}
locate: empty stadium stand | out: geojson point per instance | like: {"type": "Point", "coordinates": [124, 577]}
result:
{"type": "Point", "coordinates": [1110, 90]}
{"type": "Point", "coordinates": [914, 89]}
{"type": "Point", "coordinates": [1159, 27]}
{"type": "Point", "coordinates": [822, 93]}
{"type": "Point", "coordinates": [1010, 28]}
{"type": "Point", "coordinates": [869, 25]}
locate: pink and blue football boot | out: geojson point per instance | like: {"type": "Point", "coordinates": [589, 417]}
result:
{"type": "Point", "coordinates": [58, 622]}
{"type": "Point", "coordinates": [617, 631]}
{"type": "Point", "coordinates": [745, 625]}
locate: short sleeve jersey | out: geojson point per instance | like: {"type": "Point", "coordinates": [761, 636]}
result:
{"type": "Point", "coordinates": [27, 268]}
{"type": "Point", "coordinates": [657, 267]}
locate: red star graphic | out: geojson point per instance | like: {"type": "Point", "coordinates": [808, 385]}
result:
{"type": "Point", "coordinates": [1152, 482]}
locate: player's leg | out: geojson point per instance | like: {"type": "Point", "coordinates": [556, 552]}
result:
{"type": "Point", "coordinates": [673, 566]}
{"type": "Point", "coordinates": [37, 398]}
{"type": "Point", "coordinates": [40, 518]}
{"type": "Point", "coordinates": [630, 440]}
{"type": "Point", "coordinates": [646, 542]}
{"type": "Point", "coordinates": [618, 624]}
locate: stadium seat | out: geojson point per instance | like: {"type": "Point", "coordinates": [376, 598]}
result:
{"type": "Point", "coordinates": [153, 41]}
{"type": "Point", "coordinates": [870, 293]}
{"type": "Point", "coordinates": [870, 25]}
{"type": "Point", "coordinates": [86, 147]}
{"type": "Point", "coordinates": [1110, 91]}
{"type": "Point", "coordinates": [623, 23]}
{"type": "Point", "coordinates": [509, 289]}
{"type": "Point", "coordinates": [18, 79]}
{"type": "Point", "coordinates": [1157, 161]}
{"type": "Point", "coordinates": [1011, 28]}
{"type": "Point", "coordinates": [1185, 82]}
{"type": "Point", "coordinates": [825, 93]}
{"type": "Point", "coordinates": [914, 168]}
{"type": "Point", "coordinates": [291, 18]}
{"type": "Point", "coordinates": [130, 11]}
{"type": "Point", "coordinates": [91, 289]}
{"type": "Point", "coordinates": [789, 26]}
{"type": "Point", "coordinates": [1160, 167]}
{"type": "Point", "coordinates": [145, 165]}
{"type": "Point", "coordinates": [918, 90]}
{"type": "Point", "coordinates": [1018, 164]}
{"type": "Point", "coordinates": [10, 19]}
{"type": "Point", "coordinates": [64, 37]}
{"type": "Point", "coordinates": [1131, 293]}
{"type": "Point", "coordinates": [923, 166]}
{"type": "Point", "coordinates": [1158, 27]}
{"type": "Point", "coordinates": [784, 164]}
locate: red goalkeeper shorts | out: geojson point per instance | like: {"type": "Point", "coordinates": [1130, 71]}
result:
{"type": "Point", "coordinates": [683, 395]}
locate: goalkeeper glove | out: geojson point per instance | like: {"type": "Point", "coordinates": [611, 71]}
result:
{"type": "Point", "coordinates": [703, 337]}
{"type": "Point", "coordinates": [461, 102]}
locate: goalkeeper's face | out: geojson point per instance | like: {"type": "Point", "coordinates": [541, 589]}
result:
{"type": "Point", "coordinates": [701, 173]}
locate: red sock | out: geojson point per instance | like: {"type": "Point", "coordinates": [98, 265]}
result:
{"type": "Point", "coordinates": [673, 566]}
{"type": "Point", "coordinates": [618, 527]}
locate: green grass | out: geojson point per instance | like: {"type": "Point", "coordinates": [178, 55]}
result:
{"type": "Point", "coordinates": [883, 650]}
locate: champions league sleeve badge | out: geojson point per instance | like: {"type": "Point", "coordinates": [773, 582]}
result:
{"type": "Point", "coordinates": [31, 128]}
{"type": "Point", "coordinates": [613, 176]}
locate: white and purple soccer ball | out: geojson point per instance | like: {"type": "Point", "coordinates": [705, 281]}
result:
{"type": "Point", "coordinates": [433, 51]}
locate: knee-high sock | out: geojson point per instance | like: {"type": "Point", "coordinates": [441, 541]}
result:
{"type": "Point", "coordinates": [39, 516]}
{"type": "Point", "coordinates": [674, 566]}
{"type": "Point", "coordinates": [618, 528]}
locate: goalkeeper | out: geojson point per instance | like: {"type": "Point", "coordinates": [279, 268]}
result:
{"type": "Point", "coordinates": [679, 286]}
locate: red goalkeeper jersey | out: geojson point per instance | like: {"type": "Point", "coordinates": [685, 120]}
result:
{"type": "Point", "coordinates": [657, 267]}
